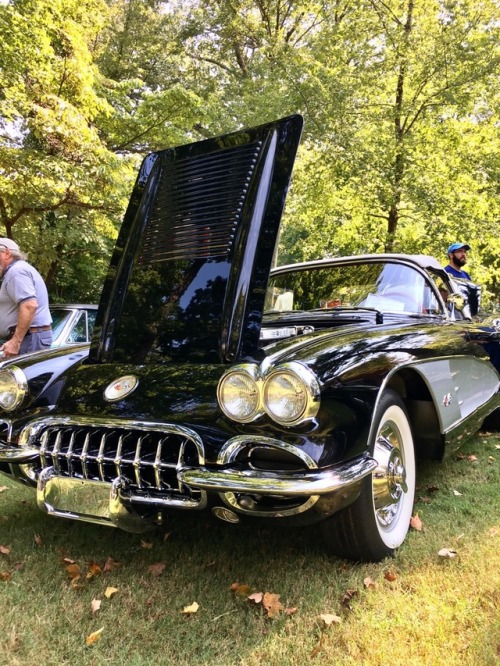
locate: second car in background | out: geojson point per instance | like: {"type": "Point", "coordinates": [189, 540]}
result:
{"type": "Point", "coordinates": [72, 324]}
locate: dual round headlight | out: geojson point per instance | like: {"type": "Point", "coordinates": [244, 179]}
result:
{"type": "Point", "coordinates": [289, 393]}
{"type": "Point", "coordinates": [13, 388]}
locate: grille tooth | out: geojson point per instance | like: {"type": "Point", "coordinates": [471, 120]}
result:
{"type": "Point", "coordinates": [118, 456]}
{"type": "Point", "coordinates": [69, 454]}
{"type": "Point", "coordinates": [43, 448]}
{"type": "Point", "coordinates": [157, 465]}
{"type": "Point", "coordinates": [137, 463]}
{"type": "Point", "coordinates": [100, 457]}
{"type": "Point", "coordinates": [84, 455]}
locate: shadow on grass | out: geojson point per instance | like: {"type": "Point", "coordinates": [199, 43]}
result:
{"type": "Point", "coordinates": [200, 559]}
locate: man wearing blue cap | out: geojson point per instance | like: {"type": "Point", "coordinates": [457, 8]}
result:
{"type": "Point", "coordinates": [457, 254]}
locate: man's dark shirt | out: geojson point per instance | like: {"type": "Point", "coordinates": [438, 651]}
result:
{"type": "Point", "coordinates": [459, 274]}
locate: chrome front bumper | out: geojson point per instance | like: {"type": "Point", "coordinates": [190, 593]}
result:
{"type": "Point", "coordinates": [120, 502]}
{"type": "Point", "coordinates": [116, 505]}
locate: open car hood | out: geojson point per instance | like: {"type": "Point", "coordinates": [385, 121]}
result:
{"type": "Point", "coordinates": [188, 274]}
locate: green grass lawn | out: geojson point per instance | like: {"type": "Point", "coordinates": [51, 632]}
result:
{"type": "Point", "coordinates": [419, 608]}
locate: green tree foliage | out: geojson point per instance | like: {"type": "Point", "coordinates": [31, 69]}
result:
{"type": "Point", "coordinates": [400, 99]}
{"type": "Point", "coordinates": [400, 102]}
{"type": "Point", "coordinates": [60, 186]}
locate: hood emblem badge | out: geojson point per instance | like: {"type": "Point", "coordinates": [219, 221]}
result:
{"type": "Point", "coordinates": [120, 388]}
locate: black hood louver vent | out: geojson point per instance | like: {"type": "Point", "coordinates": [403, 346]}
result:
{"type": "Point", "coordinates": [198, 205]}
{"type": "Point", "coordinates": [188, 276]}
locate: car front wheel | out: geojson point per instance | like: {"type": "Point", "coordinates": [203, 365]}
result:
{"type": "Point", "coordinates": [377, 522]}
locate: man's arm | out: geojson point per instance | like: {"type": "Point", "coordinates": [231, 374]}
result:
{"type": "Point", "coordinates": [27, 310]}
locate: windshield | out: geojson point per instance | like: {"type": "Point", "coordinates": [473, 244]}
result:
{"type": "Point", "coordinates": [388, 287]}
{"type": "Point", "coordinates": [80, 330]}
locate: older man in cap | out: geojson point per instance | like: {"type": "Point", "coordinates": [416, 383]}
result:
{"type": "Point", "coordinates": [25, 319]}
{"type": "Point", "coordinates": [457, 255]}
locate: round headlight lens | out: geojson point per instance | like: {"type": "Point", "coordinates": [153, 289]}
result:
{"type": "Point", "coordinates": [291, 394]}
{"type": "Point", "coordinates": [13, 388]}
{"type": "Point", "coordinates": [238, 394]}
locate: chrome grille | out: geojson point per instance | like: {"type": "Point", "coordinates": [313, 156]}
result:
{"type": "Point", "coordinates": [148, 458]}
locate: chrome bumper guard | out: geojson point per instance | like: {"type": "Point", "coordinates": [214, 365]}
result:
{"type": "Point", "coordinates": [16, 455]}
{"type": "Point", "coordinates": [111, 504]}
{"type": "Point", "coordinates": [285, 484]}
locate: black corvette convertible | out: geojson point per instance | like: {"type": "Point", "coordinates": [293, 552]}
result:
{"type": "Point", "coordinates": [299, 394]}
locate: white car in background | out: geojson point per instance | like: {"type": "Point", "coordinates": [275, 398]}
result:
{"type": "Point", "coordinates": [72, 323]}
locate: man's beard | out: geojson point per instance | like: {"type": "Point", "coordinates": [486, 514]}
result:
{"type": "Point", "coordinates": [461, 261]}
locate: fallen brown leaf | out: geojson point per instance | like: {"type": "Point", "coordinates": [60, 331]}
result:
{"type": "Point", "coordinates": [447, 552]}
{"type": "Point", "coordinates": [390, 576]}
{"type": "Point", "coordinates": [38, 539]}
{"type": "Point", "coordinates": [156, 569]}
{"type": "Point", "coordinates": [272, 604]}
{"type": "Point", "coordinates": [3, 489]}
{"type": "Point", "coordinates": [5, 576]}
{"type": "Point", "coordinates": [94, 570]}
{"type": "Point", "coordinates": [256, 597]}
{"type": "Point", "coordinates": [73, 570]}
{"type": "Point", "coordinates": [75, 584]}
{"type": "Point", "coordinates": [110, 564]}
{"type": "Point", "coordinates": [95, 605]}
{"type": "Point", "coordinates": [4, 550]}
{"type": "Point", "coordinates": [94, 636]}
{"type": "Point", "coordinates": [317, 649]}
{"type": "Point", "coordinates": [290, 611]}
{"type": "Point", "coordinates": [241, 590]}
{"type": "Point", "coordinates": [369, 583]}
{"type": "Point", "coordinates": [416, 523]}
{"type": "Point", "coordinates": [472, 458]}
{"type": "Point", "coordinates": [347, 596]}
{"type": "Point", "coordinates": [193, 608]}
{"type": "Point", "coordinates": [329, 619]}
{"type": "Point", "coordinates": [146, 544]}
{"type": "Point", "coordinates": [110, 591]}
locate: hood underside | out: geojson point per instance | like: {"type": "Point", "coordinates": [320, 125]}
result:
{"type": "Point", "coordinates": [188, 275]}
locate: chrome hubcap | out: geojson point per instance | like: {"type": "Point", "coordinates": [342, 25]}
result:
{"type": "Point", "coordinates": [389, 478]}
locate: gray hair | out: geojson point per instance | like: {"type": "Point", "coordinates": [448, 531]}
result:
{"type": "Point", "coordinates": [17, 254]}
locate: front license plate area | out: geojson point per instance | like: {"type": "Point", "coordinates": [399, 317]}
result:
{"type": "Point", "coordinates": [77, 499]}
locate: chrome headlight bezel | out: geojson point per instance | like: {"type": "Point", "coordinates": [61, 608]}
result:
{"type": "Point", "coordinates": [260, 384]}
{"type": "Point", "coordinates": [246, 374]}
{"type": "Point", "coordinates": [17, 384]}
{"type": "Point", "coordinates": [298, 394]}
